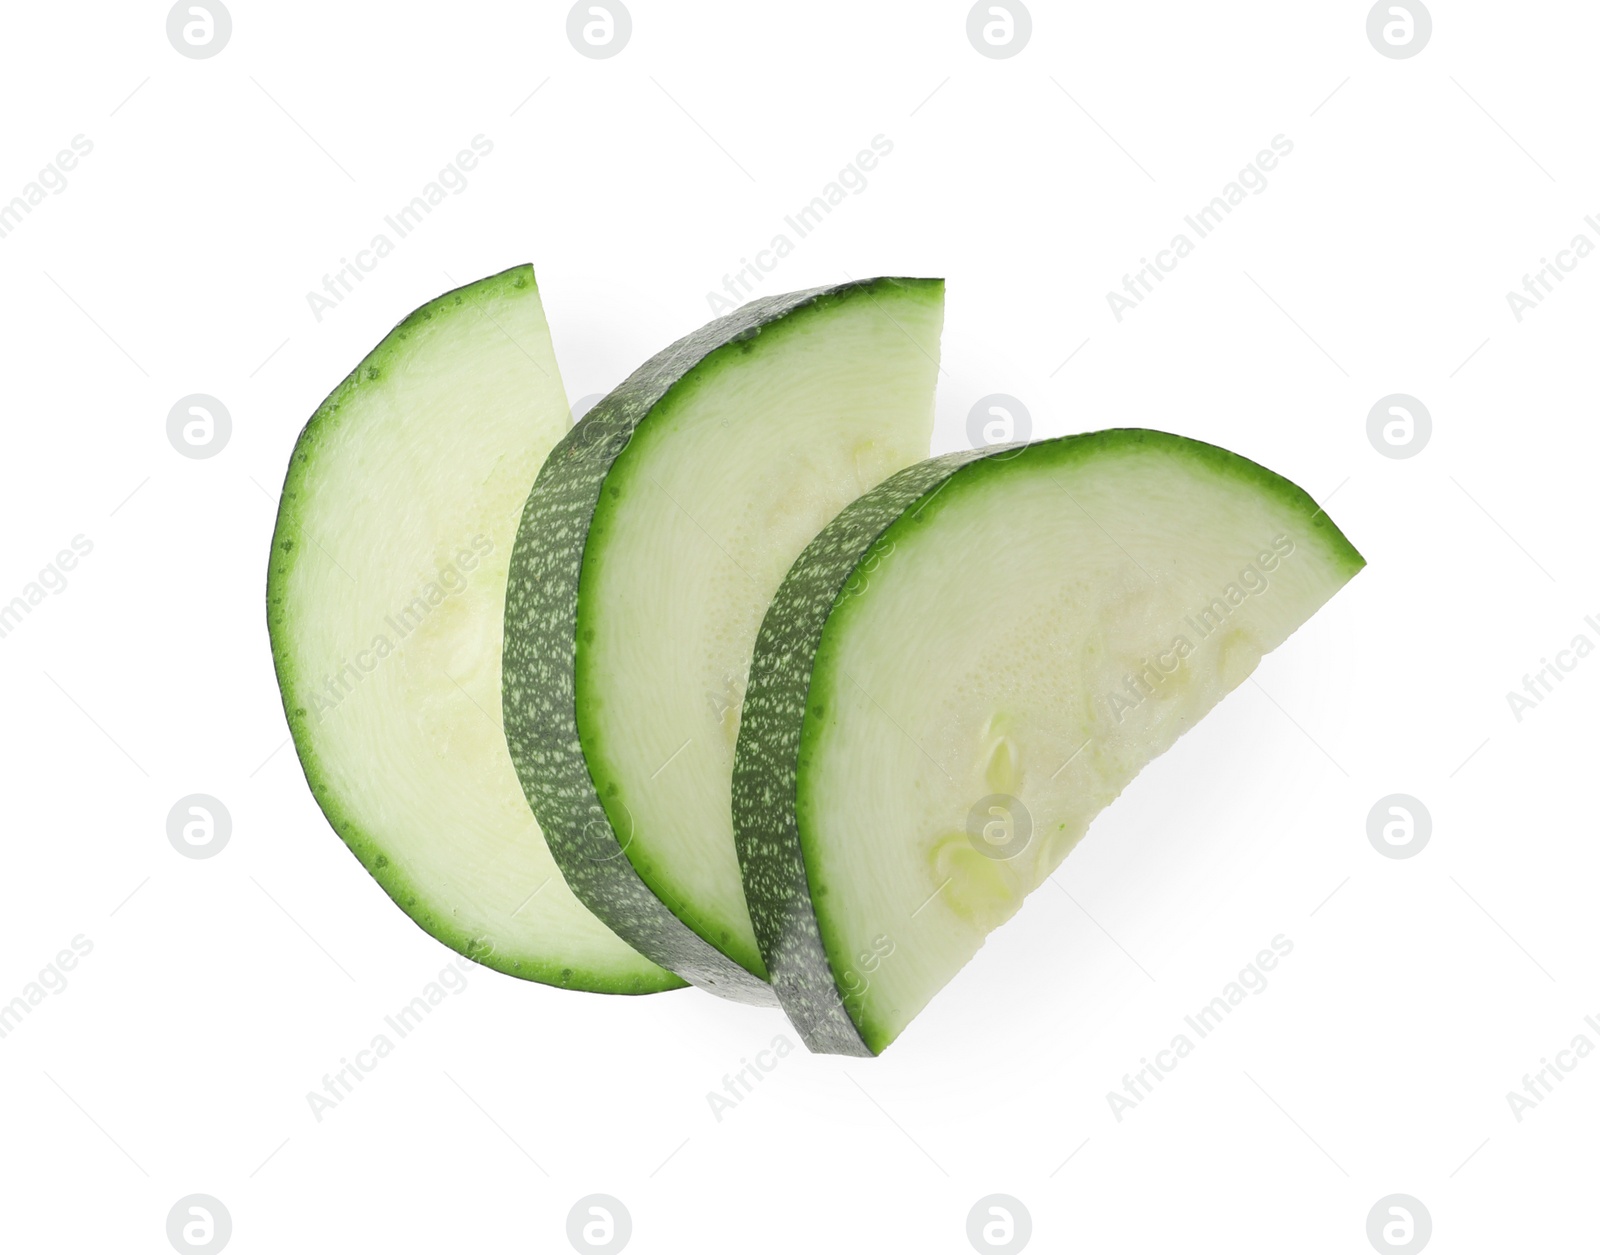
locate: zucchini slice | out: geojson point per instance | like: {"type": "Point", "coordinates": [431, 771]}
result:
{"type": "Point", "coordinates": [385, 596]}
{"type": "Point", "coordinates": [651, 543]}
{"type": "Point", "coordinates": [965, 667]}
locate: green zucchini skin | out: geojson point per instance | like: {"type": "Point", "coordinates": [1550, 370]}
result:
{"type": "Point", "coordinates": [370, 846]}
{"type": "Point", "coordinates": [540, 711]}
{"type": "Point", "coordinates": [766, 761]}
{"type": "Point", "coordinates": [778, 717]}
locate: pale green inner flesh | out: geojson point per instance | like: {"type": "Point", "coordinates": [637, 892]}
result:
{"type": "Point", "coordinates": [987, 654]}
{"type": "Point", "coordinates": [406, 518]}
{"type": "Point", "coordinates": [720, 490]}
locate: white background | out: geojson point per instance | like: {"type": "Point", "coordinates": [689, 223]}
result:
{"type": "Point", "coordinates": [1419, 191]}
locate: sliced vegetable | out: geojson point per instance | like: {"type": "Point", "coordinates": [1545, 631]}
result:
{"type": "Point", "coordinates": [965, 667]}
{"type": "Point", "coordinates": [385, 603]}
{"type": "Point", "coordinates": [651, 544]}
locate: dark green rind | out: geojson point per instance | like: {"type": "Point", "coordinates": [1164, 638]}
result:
{"type": "Point", "coordinates": [286, 551]}
{"type": "Point", "coordinates": [779, 721]}
{"type": "Point", "coordinates": [766, 757]}
{"type": "Point", "coordinates": [541, 646]}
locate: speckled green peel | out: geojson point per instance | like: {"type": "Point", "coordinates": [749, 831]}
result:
{"type": "Point", "coordinates": [764, 823]}
{"type": "Point", "coordinates": [395, 483]}
{"type": "Point", "coordinates": [576, 573]}
{"type": "Point", "coordinates": [797, 843]}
